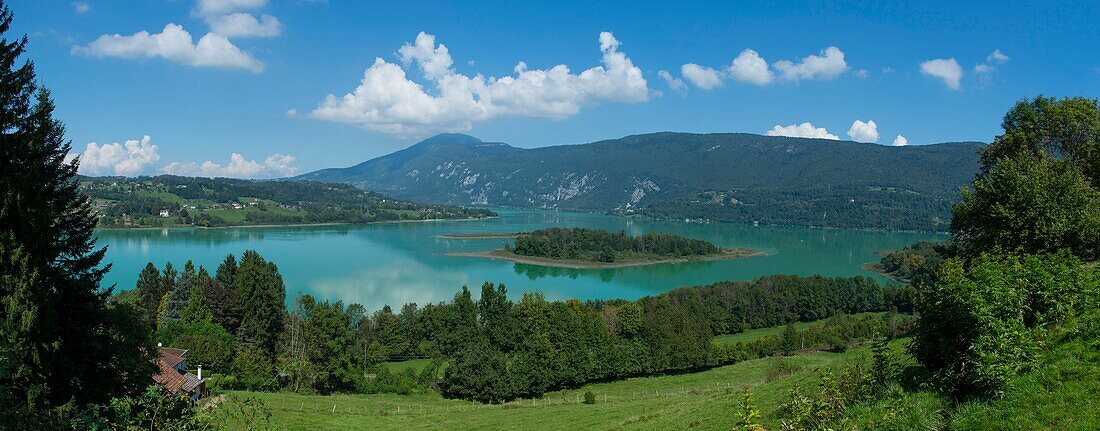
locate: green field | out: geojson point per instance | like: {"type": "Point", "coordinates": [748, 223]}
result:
{"type": "Point", "coordinates": [704, 400]}
{"type": "Point", "coordinates": [754, 334]}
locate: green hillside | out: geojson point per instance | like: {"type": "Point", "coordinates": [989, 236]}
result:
{"type": "Point", "coordinates": [729, 177]}
{"type": "Point", "coordinates": [185, 201]}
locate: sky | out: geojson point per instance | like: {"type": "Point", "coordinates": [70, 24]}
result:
{"type": "Point", "coordinates": [273, 88]}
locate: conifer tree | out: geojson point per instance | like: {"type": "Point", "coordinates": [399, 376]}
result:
{"type": "Point", "coordinates": [57, 329]}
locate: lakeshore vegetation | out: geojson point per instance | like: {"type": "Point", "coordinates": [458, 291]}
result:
{"type": "Point", "coordinates": [168, 201]}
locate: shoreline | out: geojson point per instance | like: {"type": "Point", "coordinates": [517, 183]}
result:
{"type": "Point", "coordinates": [237, 226]}
{"type": "Point", "coordinates": [500, 254]}
{"type": "Point", "coordinates": [488, 235]}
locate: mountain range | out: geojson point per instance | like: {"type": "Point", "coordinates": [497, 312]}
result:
{"type": "Point", "coordinates": [734, 177]}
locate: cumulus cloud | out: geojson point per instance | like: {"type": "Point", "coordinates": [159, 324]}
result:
{"type": "Point", "coordinates": [825, 66]}
{"type": "Point", "coordinates": [944, 69]}
{"type": "Point", "coordinates": [81, 7]}
{"type": "Point", "coordinates": [245, 25]}
{"type": "Point", "coordinates": [983, 68]}
{"type": "Point", "coordinates": [215, 7]}
{"type": "Point", "coordinates": [863, 132]}
{"type": "Point", "coordinates": [673, 82]}
{"type": "Point", "coordinates": [702, 77]}
{"type": "Point", "coordinates": [751, 68]}
{"type": "Point", "coordinates": [804, 130]}
{"type": "Point", "coordinates": [275, 166]}
{"type": "Point", "coordinates": [128, 158]}
{"type": "Point", "coordinates": [386, 100]}
{"type": "Point", "coordinates": [173, 44]}
{"type": "Point", "coordinates": [900, 141]}
{"type": "Point", "coordinates": [862, 73]}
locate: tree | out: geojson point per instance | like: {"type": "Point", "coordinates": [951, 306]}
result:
{"type": "Point", "coordinates": [980, 323]}
{"type": "Point", "coordinates": [150, 289]}
{"type": "Point", "coordinates": [261, 295]}
{"type": "Point", "coordinates": [1028, 205]}
{"type": "Point", "coordinates": [789, 340]}
{"type": "Point", "coordinates": [1045, 126]}
{"type": "Point", "coordinates": [57, 330]}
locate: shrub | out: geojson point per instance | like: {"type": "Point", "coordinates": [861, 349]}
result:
{"type": "Point", "coordinates": [589, 398]}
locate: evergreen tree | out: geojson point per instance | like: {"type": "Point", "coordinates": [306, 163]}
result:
{"type": "Point", "coordinates": [180, 295]}
{"type": "Point", "coordinates": [227, 272]}
{"type": "Point", "coordinates": [149, 291]}
{"type": "Point", "coordinates": [261, 295]}
{"type": "Point", "coordinates": [57, 330]}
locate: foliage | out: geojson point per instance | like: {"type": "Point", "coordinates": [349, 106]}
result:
{"type": "Point", "coordinates": [916, 263]}
{"type": "Point", "coordinates": [981, 324]}
{"type": "Point", "coordinates": [602, 246]}
{"type": "Point", "coordinates": [1047, 126]}
{"type": "Point", "coordinates": [58, 332]}
{"type": "Point", "coordinates": [262, 295]}
{"type": "Point", "coordinates": [1029, 205]}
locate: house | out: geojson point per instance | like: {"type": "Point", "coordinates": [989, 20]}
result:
{"type": "Point", "coordinates": [174, 376]}
{"type": "Point", "coordinates": [164, 213]}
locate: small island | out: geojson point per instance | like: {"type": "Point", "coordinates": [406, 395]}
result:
{"type": "Point", "coordinates": [592, 248]}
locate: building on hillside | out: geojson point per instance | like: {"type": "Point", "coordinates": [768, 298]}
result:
{"type": "Point", "coordinates": [174, 376]}
{"type": "Point", "coordinates": [164, 213]}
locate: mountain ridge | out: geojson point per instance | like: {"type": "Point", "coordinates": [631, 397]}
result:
{"type": "Point", "coordinates": [719, 176]}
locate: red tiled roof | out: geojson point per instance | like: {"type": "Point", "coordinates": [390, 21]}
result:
{"type": "Point", "coordinates": [168, 360]}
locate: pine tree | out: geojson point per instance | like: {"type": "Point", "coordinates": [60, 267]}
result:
{"type": "Point", "coordinates": [261, 295]}
{"type": "Point", "coordinates": [149, 290]}
{"type": "Point", "coordinates": [57, 329]}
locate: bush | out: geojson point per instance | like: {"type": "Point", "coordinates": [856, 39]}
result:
{"type": "Point", "coordinates": [980, 323]}
{"type": "Point", "coordinates": [589, 398]}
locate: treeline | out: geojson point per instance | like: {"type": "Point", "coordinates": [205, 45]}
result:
{"type": "Point", "coordinates": [836, 333]}
{"type": "Point", "coordinates": [810, 205]}
{"type": "Point", "coordinates": [603, 246]}
{"type": "Point", "coordinates": [235, 323]}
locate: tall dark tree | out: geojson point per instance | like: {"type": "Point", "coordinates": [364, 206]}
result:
{"type": "Point", "coordinates": [261, 295]}
{"type": "Point", "coordinates": [150, 290]}
{"type": "Point", "coordinates": [57, 330]}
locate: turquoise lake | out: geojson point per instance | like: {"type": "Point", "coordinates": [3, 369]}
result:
{"type": "Point", "coordinates": [395, 263]}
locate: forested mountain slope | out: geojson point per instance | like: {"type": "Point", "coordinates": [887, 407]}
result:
{"type": "Point", "coordinates": [728, 177]}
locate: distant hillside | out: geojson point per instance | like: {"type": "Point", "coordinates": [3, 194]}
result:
{"type": "Point", "coordinates": [168, 200]}
{"type": "Point", "coordinates": [729, 177]}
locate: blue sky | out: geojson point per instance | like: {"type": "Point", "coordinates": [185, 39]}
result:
{"type": "Point", "coordinates": [256, 86]}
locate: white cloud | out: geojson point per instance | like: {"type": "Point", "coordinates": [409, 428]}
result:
{"type": "Point", "coordinates": [173, 44]}
{"type": "Point", "coordinates": [900, 141]}
{"type": "Point", "coordinates": [863, 132]}
{"type": "Point", "coordinates": [947, 70]}
{"type": "Point", "coordinates": [129, 158]}
{"type": "Point", "coordinates": [435, 61]}
{"type": "Point", "coordinates": [983, 68]}
{"type": "Point", "coordinates": [673, 82]}
{"type": "Point", "coordinates": [386, 100]}
{"type": "Point", "coordinates": [804, 130]}
{"type": "Point", "coordinates": [862, 73]}
{"type": "Point", "coordinates": [997, 57]}
{"type": "Point", "coordinates": [702, 77]}
{"type": "Point", "coordinates": [81, 7]}
{"type": "Point", "coordinates": [888, 69]}
{"type": "Point", "coordinates": [275, 166]}
{"type": "Point", "coordinates": [245, 25]}
{"type": "Point", "coordinates": [215, 7]}
{"type": "Point", "coordinates": [826, 66]}
{"type": "Point", "coordinates": [751, 68]}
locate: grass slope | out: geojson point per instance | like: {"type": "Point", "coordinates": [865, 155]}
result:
{"type": "Point", "coordinates": [705, 401]}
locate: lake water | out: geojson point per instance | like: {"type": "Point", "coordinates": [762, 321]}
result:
{"type": "Point", "coordinates": [407, 262]}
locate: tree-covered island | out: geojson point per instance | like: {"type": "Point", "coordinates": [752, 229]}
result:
{"type": "Point", "coordinates": [595, 248]}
